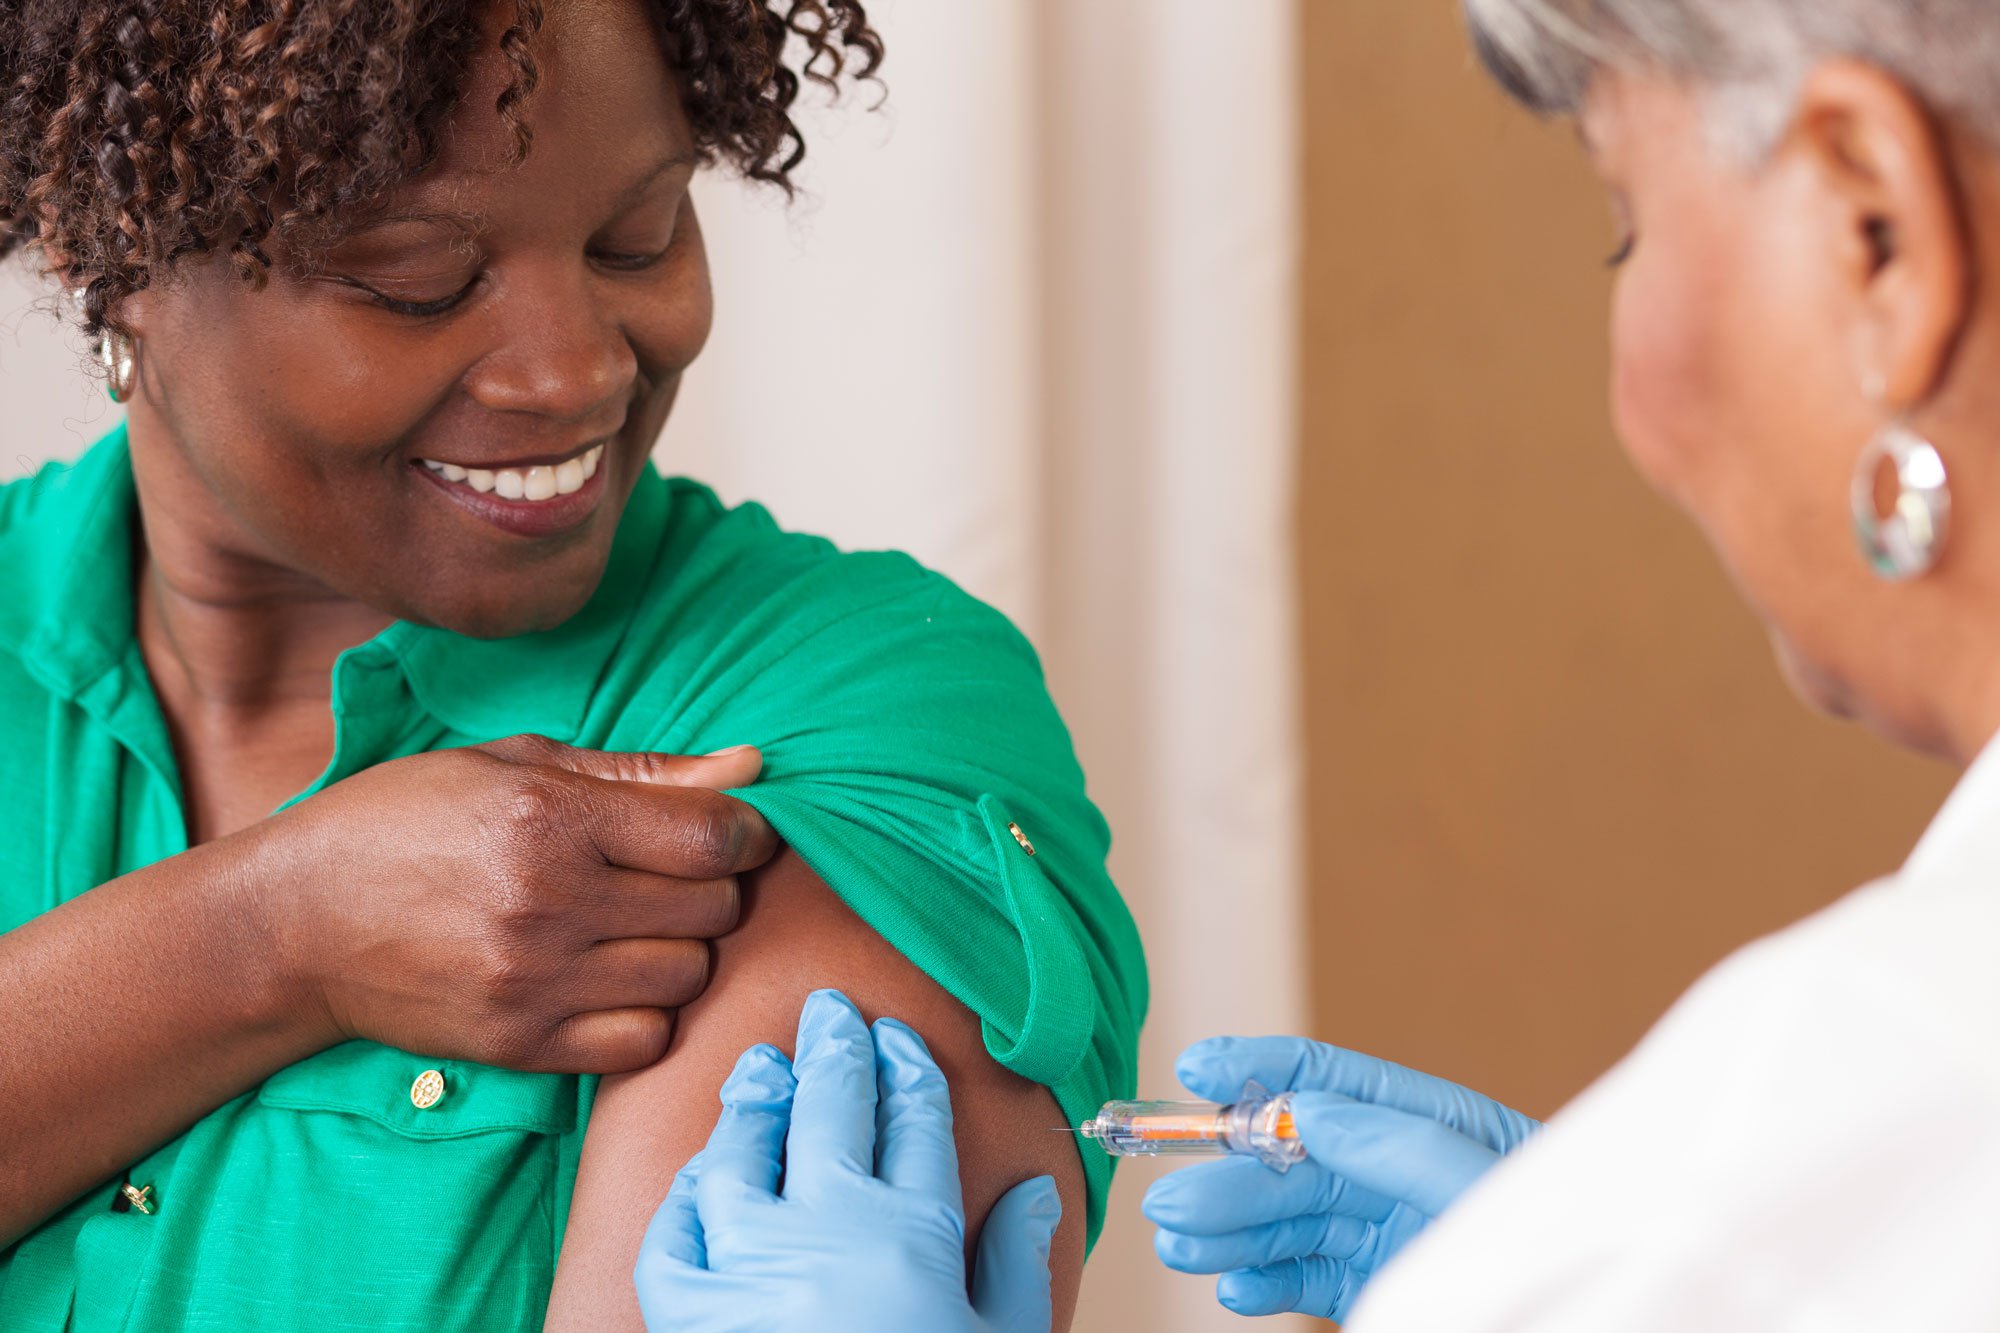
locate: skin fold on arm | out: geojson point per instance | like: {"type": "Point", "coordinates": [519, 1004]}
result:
{"type": "Point", "coordinates": [796, 937]}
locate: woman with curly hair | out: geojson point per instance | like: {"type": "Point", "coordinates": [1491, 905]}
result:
{"type": "Point", "coordinates": [398, 296]}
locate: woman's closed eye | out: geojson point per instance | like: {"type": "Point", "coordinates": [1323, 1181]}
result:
{"type": "Point", "coordinates": [412, 305]}
{"type": "Point", "coordinates": [1624, 251]}
{"type": "Point", "coordinates": [629, 263]}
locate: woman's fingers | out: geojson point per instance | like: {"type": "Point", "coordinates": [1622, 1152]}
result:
{"type": "Point", "coordinates": [674, 1236]}
{"type": "Point", "coordinates": [722, 771]}
{"type": "Point", "coordinates": [1409, 1158]}
{"type": "Point", "coordinates": [745, 1156]}
{"type": "Point", "coordinates": [1316, 1286]}
{"type": "Point", "coordinates": [674, 1243]}
{"type": "Point", "coordinates": [632, 904]}
{"type": "Point", "coordinates": [913, 1144]}
{"type": "Point", "coordinates": [1010, 1276]}
{"type": "Point", "coordinates": [681, 832]}
{"type": "Point", "coordinates": [1219, 1068]}
{"type": "Point", "coordinates": [833, 1112]}
{"type": "Point", "coordinates": [1217, 1198]}
{"type": "Point", "coordinates": [605, 1041]}
{"type": "Point", "coordinates": [1342, 1238]}
{"type": "Point", "coordinates": [640, 973]}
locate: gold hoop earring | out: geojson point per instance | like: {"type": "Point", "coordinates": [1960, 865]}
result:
{"type": "Point", "coordinates": [120, 356]}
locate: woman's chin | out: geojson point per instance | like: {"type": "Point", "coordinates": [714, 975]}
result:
{"type": "Point", "coordinates": [503, 617]}
{"type": "Point", "coordinates": [1819, 689]}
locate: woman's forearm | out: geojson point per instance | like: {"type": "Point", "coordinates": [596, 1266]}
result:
{"type": "Point", "coordinates": [131, 1012]}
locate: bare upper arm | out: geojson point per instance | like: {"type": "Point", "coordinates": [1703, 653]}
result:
{"type": "Point", "coordinates": [796, 937]}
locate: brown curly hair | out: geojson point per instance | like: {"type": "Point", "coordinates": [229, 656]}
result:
{"type": "Point", "coordinates": [136, 134]}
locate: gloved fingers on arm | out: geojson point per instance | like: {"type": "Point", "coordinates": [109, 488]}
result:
{"type": "Point", "coordinates": [674, 1235]}
{"type": "Point", "coordinates": [833, 1111]}
{"type": "Point", "coordinates": [1010, 1279]}
{"type": "Point", "coordinates": [745, 1155]}
{"type": "Point", "coordinates": [1318, 1286]}
{"type": "Point", "coordinates": [673, 1246]}
{"type": "Point", "coordinates": [1218, 1068]}
{"type": "Point", "coordinates": [1218, 1198]}
{"type": "Point", "coordinates": [1342, 1238]}
{"type": "Point", "coordinates": [1404, 1156]}
{"type": "Point", "coordinates": [913, 1143]}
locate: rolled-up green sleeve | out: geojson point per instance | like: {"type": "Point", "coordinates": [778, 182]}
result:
{"type": "Point", "coordinates": [915, 760]}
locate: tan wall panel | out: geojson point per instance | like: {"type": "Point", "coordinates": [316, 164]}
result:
{"type": "Point", "coordinates": [1555, 772]}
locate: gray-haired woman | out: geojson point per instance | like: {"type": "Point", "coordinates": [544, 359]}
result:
{"type": "Point", "coordinates": [1807, 359]}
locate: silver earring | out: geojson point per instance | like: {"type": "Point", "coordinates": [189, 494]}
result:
{"type": "Point", "coordinates": [120, 356]}
{"type": "Point", "coordinates": [1906, 544]}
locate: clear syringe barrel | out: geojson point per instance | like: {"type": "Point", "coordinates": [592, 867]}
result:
{"type": "Point", "coordinates": [1259, 1126]}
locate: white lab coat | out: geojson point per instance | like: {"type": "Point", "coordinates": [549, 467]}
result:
{"type": "Point", "coordinates": [1810, 1140]}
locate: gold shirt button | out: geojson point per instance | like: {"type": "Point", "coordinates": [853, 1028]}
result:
{"type": "Point", "coordinates": [428, 1090]}
{"type": "Point", "coordinates": [1021, 838]}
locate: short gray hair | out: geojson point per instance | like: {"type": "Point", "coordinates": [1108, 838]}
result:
{"type": "Point", "coordinates": [1749, 55]}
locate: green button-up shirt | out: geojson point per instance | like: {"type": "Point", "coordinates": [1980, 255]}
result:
{"type": "Point", "coordinates": [904, 727]}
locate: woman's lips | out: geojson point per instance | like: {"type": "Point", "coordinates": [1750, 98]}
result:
{"type": "Point", "coordinates": [529, 501]}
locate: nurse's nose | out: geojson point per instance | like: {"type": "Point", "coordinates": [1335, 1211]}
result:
{"type": "Point", "coordinates": [559, 355]}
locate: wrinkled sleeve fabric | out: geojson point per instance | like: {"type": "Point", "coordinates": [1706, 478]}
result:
{"type": "Point", "coordinates": [914, 758]}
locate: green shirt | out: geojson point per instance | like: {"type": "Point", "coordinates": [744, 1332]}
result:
{"type": "Point", "coordinates": [904, 726]}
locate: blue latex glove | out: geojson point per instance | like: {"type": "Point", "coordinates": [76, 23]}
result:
{"type": "Point", "coordinates": [867, 1232]}
{"type": "Point", "coordinates": [1388, 1149]}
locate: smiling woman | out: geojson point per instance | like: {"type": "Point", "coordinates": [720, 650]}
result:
{"type": "Point", "coordinates": [399, 297]}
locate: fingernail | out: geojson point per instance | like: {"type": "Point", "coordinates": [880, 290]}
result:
{"type": "Point", "coordinates": [723, 754]}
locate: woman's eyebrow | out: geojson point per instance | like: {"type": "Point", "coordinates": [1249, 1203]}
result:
{"type": "Point", "coordinates": [464, 227]}
{"type": "Point", "coordinates": [461, 228]}
{"type": "Point", "coordinates": [673, 161]}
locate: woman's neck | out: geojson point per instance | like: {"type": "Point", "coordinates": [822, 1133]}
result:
{"type": "Point", "coordinates": [242, 651]}
{"type": "Point", "coordinates": [227, 632]}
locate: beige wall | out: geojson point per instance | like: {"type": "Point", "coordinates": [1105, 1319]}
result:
{"type": "Point", "coordinates": [1554, 772]}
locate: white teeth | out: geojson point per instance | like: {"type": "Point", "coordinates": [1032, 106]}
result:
{"type": "Point", "coordinates": [533, 484]}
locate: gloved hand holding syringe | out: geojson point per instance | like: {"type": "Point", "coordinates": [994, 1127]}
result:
{"type": "Point", "coordinates": [1365, 1153]}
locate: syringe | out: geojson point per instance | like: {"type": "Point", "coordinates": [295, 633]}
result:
{"type": "Point", "coordinates": [1260, 1126]}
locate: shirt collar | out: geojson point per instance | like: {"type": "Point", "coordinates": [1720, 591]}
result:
{"type": "Point", "coordinates": [1965, 833]}
{"type": "Point", "coordinates": [68, 612]}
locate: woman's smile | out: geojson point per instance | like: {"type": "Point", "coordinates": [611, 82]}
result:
{"type": "Point", "coordinates": [527, 498]}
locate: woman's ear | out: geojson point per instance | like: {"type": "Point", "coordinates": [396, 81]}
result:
{"type": "Point", "coordinates": [135, 311]}
{"type": "Point", "coordinates": [1883, 169]}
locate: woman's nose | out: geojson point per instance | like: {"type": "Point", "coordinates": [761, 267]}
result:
{"type": "Point", "coordinates": [558, 355]}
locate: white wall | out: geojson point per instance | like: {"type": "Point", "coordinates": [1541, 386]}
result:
{"type": "Point", "coordinates": [48, 407]}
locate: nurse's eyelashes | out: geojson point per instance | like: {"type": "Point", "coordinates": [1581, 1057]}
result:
{"type": "Point", "coordinates": [529, 483]}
